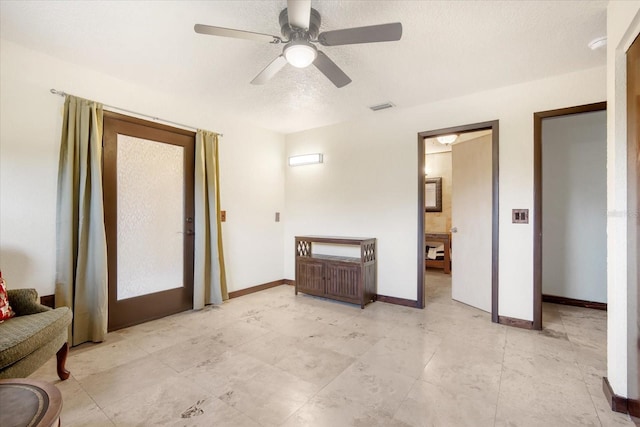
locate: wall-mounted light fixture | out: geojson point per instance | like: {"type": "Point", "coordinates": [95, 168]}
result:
{"type": "Point", "coordinates": [305, 159]}
{"type": "Point", "coordinates": [447, 139]}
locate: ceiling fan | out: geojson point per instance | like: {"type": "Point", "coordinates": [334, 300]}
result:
{"type": "Point", "coordinates": [300, 25]}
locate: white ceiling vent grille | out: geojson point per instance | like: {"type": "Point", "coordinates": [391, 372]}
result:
{"type": "Point", "coordinates": [382, 106]}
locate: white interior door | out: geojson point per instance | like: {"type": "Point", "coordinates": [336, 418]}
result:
{"type": "Point", "coordinates": [471, 206]}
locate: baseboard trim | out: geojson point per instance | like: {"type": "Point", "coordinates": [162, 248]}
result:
{"type": "Point", "coordinates": [516, 323]}
{"type": "Point", "coordinates": [398, 301]}
{"type": "Point", "coordinates": [289, 282]}
{"type": "Point", "coordinates": [48, 300]}
{"type": "Point", "coordinates": [617, 403]}
{"type": "Point", "coordinates": [633, 407]}
{"type": "Point", "coordinates": [257, 288]}
{"type": "Point", "coordinates": [574, 302]}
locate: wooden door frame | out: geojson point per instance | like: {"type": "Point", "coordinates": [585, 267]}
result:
{"type": "Point", "coordinates": [633, 243]}
{"type": "Point", "coordinates": [495, 224]}
{"type": "Point", "coordinates": [537, 197]}
{"type": "Point", "coordinates": [147, 311]}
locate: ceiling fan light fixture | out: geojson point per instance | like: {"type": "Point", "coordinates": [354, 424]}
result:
{"type": "Point", "coordinates": [300, 54]}
{"type": "Point", "coordinates": [447, 139]}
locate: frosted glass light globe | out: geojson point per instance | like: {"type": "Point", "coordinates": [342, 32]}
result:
{"type": "Point", "coordinates": [300, 54]}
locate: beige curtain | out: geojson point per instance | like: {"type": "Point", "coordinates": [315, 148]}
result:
{"type": "Point", "coordinates": [81, 250]}
{"type": "Point", "coordinates": [209, 278]}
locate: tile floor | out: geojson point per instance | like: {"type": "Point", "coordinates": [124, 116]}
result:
{"type": "Point", "coordinates": [271, 359]}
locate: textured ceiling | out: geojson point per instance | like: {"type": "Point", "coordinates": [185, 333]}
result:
{"type": "Point", "coordinates": [448, 49]}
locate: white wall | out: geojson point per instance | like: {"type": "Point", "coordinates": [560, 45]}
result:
{"type": "Point", "coordinates": [368, 183]}
{"type": "Point", "coordinates": [574, 206]}
{"type": "Point", "coordinates": [252, 168]}
{"type": "Point", "coordinates": [623, 25]}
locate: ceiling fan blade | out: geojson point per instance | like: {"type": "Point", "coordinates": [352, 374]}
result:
{"type": "Point", "coordinates": [299, 13]}
{"type": "Point", "coordinates": [270, 71]}
{"type": "Point", "coordinates": [331, 70]}
{"type": "Point", "coordinates": [236, 34]}
{"type": "Point", "coordinates": [370, 34]}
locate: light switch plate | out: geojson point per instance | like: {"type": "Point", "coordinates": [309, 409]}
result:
{"type": "Point", "coordinates": [520, 216]}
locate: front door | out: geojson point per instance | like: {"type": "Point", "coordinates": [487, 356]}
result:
{"type": "Point", "coordinates": [471, 220]}
{"type": "Point", "coordinates": [148, 202]}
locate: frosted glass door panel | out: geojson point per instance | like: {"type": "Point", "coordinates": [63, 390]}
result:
{"type": "Point", "coordinates": [150, 179]}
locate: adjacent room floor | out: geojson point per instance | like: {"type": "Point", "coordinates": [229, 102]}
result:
{"type": "Point", "coordinates": [273, 358]}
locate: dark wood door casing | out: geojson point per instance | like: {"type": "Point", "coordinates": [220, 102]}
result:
{"type": "Point", "coordinates": [537, 197]}
{"type": "Point", "coordinates": [633, 224]}
{"type": "Point", "coordinates": [139, 309]}
{"type": "Point", "coordinates": [495, 220]}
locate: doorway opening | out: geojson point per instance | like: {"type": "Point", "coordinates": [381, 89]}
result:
{"type": "Point", "coordinates": [570, 162]}
{"type": "Point", "coordinates": [441, 228]}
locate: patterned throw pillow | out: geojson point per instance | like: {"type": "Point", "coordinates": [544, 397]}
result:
{"type": "Point", "coordinates": [5, 308]}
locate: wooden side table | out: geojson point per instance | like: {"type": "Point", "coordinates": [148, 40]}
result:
{"type": "Point", "coordinates": [27, 402]}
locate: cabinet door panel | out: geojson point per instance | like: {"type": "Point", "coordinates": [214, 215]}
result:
{"type": "Point", "coordinates": [310, 276]}
{"type": "Point", "coordinates": [344, 281]}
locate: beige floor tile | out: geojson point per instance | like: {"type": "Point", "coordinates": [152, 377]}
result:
{"type": "Point", "coordinates": [448, 405]}
{"type": "Point", "coordinates": [270, 397]}
{"type": "Point", "coordinates": [453, 365]}
{"type": "Point", "coordinates": [118, 383]}
{"type": "Point", "coordinates": [193, 352]}
{"type": "Point", "coordinates": [91, 417]}
{"type": "Point", "coordinates": [403, 356]}
{"type": "Point", "coordinates": [369, 386]}
{"type": "Point", "coordinates": [369, 326]}
{"type": "Point", "coordinates": [526, 400]}
{"type": "Point", "coordinates": [217, 374]}
{"type": "Point", "coordinates": [314, 364]}
{"type": "Point", "coordinates": [344, 339]}
{"type": "Point", "coordinates": [103, 356]}
{"type": "Point", "coordinates": [274, 358]}
{"type": "Point", "coordinates": [270, 348]}
{"type": "Point", "coordinates": [164, 403]}
{"type": "Point", "coordinates": [78, 408]}
{"type": "Point", "coordinates": [340, 412]}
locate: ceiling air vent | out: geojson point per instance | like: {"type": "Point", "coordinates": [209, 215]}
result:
{"type": "Point", "coordinates": [382, 106]}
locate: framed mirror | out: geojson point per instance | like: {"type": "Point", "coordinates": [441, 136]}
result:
{"type": "Point", "coordinates": [433, 194]}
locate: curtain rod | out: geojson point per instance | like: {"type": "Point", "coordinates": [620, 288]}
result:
{"type": "Point", "coordinates": [111, 107]}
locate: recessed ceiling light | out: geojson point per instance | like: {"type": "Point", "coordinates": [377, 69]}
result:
{"type": "Point", "coordinates": [597, 43]}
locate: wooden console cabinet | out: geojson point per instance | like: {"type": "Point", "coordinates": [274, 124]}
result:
{"type": "Point", "coordinates": [341, 278]}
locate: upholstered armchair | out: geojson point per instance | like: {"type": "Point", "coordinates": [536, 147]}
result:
{"type": "Point", "coordinates": [33, 336]}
